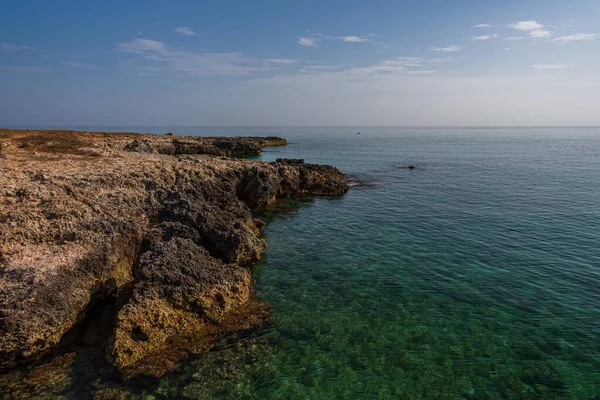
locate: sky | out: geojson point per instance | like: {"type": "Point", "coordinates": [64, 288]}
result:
{"type": "Point", "coordinates": [300, 63]}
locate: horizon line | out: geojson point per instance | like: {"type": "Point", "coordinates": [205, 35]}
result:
{"type": "Point", "coordinates": [79, 127]}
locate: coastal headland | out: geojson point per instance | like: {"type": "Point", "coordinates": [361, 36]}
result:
{"type": "Point", "coordinates": [149, 237]}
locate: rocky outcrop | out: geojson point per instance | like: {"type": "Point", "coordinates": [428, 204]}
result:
{"type": "Point", "coordinates": [149, 220]}
{"type": "Point", "coordinates": [217, 146]}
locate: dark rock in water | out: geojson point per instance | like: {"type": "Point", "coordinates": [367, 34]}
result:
{"type": "Point", "coordinates": [172, 237]}
{"type": "Point", "coordinates": [411, 167]}
{"type": "Point", "coordinates": [290, 161]}
{"type": "Point", "coordinates": [354, 181]}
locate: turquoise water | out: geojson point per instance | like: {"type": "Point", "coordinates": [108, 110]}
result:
{"type": "Point", "coordinates": [474, 276]}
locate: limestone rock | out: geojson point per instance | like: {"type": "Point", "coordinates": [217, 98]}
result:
{"type": "Point", "coordinates": [88, 217]}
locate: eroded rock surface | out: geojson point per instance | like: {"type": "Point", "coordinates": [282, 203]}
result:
{"type": "Point", "coordinates": [158, 221]}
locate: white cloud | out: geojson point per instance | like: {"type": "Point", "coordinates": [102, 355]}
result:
{"type": "Point", "coordinates": [482, 26]}
{"type": "Point", "coordinates": [9, 47]}
{"type": "Point", "coordinates": [193, 63]}
{"type": "Point", "coordinates": [526, 25]}
{"type": "Point", "coordinates": [533, 29]}
{"type": "Point", "coordinates": [539, 33]}
{"type": "Point", "coordinates": [307, 41]}
{"type": "Point", "coordinates": [353, 39]}
{"type": "Point", "coordinates": [184, 30]}
{"type": "Point", "coordinates": [282, 61]}
{"type": "Point", "coordinates": [485, 37]}
{"type": "Point", "coordinates": [514, 38]}
{"type": "Point", "coordinates": [138, 46]}
{"type": "Point", "coordinates": [80, 65]}
{"type": "Point", "coordinates": [576, 37]}
{"type": "Point", "coordinates": [445, 49]}
{"type": "Point", "coordinates": [550, 66]}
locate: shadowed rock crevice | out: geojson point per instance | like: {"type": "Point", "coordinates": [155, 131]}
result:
{"type": "Point", "coordinates": [36, 311]}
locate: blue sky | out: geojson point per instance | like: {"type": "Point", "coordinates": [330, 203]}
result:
{"type": "Point", "coordinates": [309, 63]}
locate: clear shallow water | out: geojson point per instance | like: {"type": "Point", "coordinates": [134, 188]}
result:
{"type": "Point", "coordinates": [476, 275]}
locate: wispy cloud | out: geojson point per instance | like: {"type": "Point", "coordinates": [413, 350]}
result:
{"type": "Point", "coordinates": [150, 71]}
{"type": "Point", "coordinates": [440, 60]}
{"type": "Point", "coordinates": [354, 39]}
{"type": "Point", "coordinates": [139, 46]}
{"type": "Point", "coordinates": [394, 67]}
{"type": "Point", "coordinates": [307, 41]}
{"type": "Point", "coordinates": [75, 64]}
{"type": "Point", "coordinates": [14, 47]}
{"type": "Point", "coordinates": [195, 63]}
{"type": "Point", "coordinates": [282, 61]}
{"type": "Point", "coordinates": [550, 66]}
{"type": "Point", "coordinates": [514, 38]}
{"type": "Point", "coordinates": [482, 26]}
{"type": "Point", "coordinates": [485, 37]}
{"type": "Point", "coordinates": [319, 68]}
{"type": "Point", "coordinates": [313, 39]}
{"type": "Point", "coordinates": [404, 61]}
{"type": "Point", "coordinates": [539, 34]}
{"type": "Point", "coordinates": [447, 49]}
{"type": "Point", "coordinates": [420, 72]}
{"type": "Point", "coordinates": [576, 37]}
{"type": "Point", "coordinates": [184, 30]}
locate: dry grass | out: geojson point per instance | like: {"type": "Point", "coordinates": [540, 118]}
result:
{"type": "Point", "coordinates": [56, 142]}
{"type": "Point", "coordinates": [65, 143]}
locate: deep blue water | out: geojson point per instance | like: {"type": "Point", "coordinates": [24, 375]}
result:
{"type": "Point", "coordinates": [474, 276]}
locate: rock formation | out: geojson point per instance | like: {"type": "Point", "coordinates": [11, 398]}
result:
{"type": "Point", "coordinates": [162, 223]}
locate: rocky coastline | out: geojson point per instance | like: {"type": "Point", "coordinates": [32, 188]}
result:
{"type": "Point", "coordinates": [157, 227]}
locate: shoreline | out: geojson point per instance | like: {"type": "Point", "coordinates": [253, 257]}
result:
{"type": "Point", "coordinates": [157, 227]}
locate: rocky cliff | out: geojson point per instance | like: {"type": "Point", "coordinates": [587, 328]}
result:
{"type": "Point", "coordinates": [160, 224]}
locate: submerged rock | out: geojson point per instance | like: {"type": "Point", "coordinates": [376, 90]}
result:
{"type": "Point", "coordinates": [150, 220]}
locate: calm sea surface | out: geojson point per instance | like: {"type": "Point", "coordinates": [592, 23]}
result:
{"type": "Point", "coordinates": [474, 276]}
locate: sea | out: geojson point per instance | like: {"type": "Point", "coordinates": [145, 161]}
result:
{"type": "Point", "coordinates": [475, 275]}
